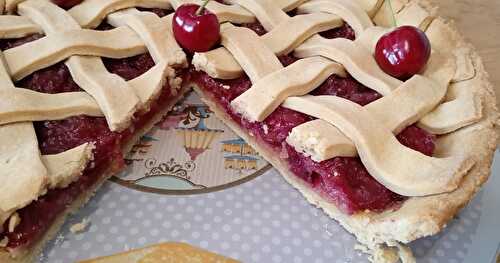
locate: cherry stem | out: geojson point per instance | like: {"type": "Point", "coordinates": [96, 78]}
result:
{"type": "Point", "coordinates": [202, 7]}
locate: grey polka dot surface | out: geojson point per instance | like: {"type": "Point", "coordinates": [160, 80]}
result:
{"type": "Point", "coordinates": [264, 220]}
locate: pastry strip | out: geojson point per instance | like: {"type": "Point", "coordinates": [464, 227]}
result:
{"type": "Point", "coordinates": [384, 157]}
{"type": "Point", "coordinates": [115, 97]}
{"type": "Point", "coordinates": [354, 57]}
{"type": "Point", "coordinates": [47, 51]}
{"type": "Point", "coordinates": [348, 10]}
{"type": "Point", "coordinates": [66, 167]}
{"type": "Point", "coordinates": [22, 172]}
{"type": "Point", "coordinates": [298, 79]}
{"type": "Point", "coordinates": [16, 27]}
{"type": "Point", "coordinates": [90, 13]}
{"type": "Point", "coordinates": [413, 100]}
{"type": "Point", "coordinates": [28, 105]}
{"type": "Point", "coordinates": [253, 55]}
{"type": "Point", "coordinates": [158, 37]}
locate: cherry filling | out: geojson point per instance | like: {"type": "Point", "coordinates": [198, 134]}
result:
{"type": "Point", "coordinates": [58, 136]}
{"type": "Point", "coordinates": [343, 181]}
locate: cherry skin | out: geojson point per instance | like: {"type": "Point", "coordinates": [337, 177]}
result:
{"type": "Point", "coordinates": [403, 52]}
{"type": "Point", "coordinates": [67, 4]}
{"type": "Point", "coordinates": [195, 32]}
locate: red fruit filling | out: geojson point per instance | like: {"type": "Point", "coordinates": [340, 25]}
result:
{"type": "Point", "coordinates": [58, 136]}
{"type": "Point", "coordinates": [344, 181]}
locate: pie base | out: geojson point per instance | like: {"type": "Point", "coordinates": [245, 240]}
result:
{"type": "Point", "coordinates": [27, 255]}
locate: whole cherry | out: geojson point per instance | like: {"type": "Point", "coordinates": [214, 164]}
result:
{"type": "Point", "coordinates": [67, 4]}
{"type": "Point", "coordinates": [403, 52]}
{"type": "Point", "coordinates": [196, 28]}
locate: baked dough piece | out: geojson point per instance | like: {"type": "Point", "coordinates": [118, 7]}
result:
{"type": "Point", "coordinates": [166, 252]}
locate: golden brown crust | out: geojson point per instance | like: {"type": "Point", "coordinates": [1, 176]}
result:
{"type": "Point", "coordinates": [26, 255]}
{"type": "Point", "coordinates": [170, 251]}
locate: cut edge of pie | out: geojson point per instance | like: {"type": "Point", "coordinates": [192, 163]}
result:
{"type": "Point", "coordinates": [29, 254]}
{"type": "Point", "coordinates": [384, 235]}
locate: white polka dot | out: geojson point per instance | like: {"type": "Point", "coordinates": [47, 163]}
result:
{"type": "Point", "coordinates": [106, 220]}
{"type": "Point", "coordinates": [317, 243]}
{"type": "Point", "coordinates": [204, 244]}
{"type": "Point", "coordinates": [195, 235]}
{"type": "Point", "coordinates": [86, 246]}
{"type": "Point", "coordinates": [276, 241]}
{"type": "Point", "coordinates": [186, 225]}
{"type": "Point", "coordinates": [142, 240]}
{"type": "Point", "coordinates": [73, 254]}
{"type": "Point", "coordinates": [217, 219]}
{"type": "Point", "coordinates": [328, 253]}
{"type": "Point", "coordinates": [207, 227]}
{"type": "Point", "coordinates": [307, 252]}
{"type": "Point", "coordinates": [113, 230]}
{"type": "Point", "coordinates": [154, 232]}
{"type": "Point", "coordinates": [121, 239]}
{"type": "Point", "coordinates": [225, 245]}
{"type": "Point", "coordinates": [277, 258]}
{"type": "Point", "coordinates": [99, 211]}
{"type": "Point", "coordinates": [178, 217]}
{"type": "Point", "coordinates": [134, 231]}
{"type": "Point", "coordinates": [286, 250]}
{"type": "Point", "coordinates": [226, 228]}
{"type": "Point", "coordinates": [245, 247]}
{"type": "Point", "coordinates": [151, 207]}
{"type": "Point", "coordinates": [215, 236]}
{"type": "Point", "coordinates": [297, 259]}
{"type": "Point", "coordinates": [174, 233]}
{"type": "Point", "coordinates": [255, 257]}
{"type": "Point", "coordinates": [146, 222]}
{"type": "Point", "coordinates": [108, 247]}
{"type": "Point", "coordinates": [166, 224]}
{"type": "Point", "coordinates": [100, 238]}
{"type": "Point", "coordinates": [296, 241]}
{"type": "Point", "coordinates": [246, 230]}
{"type": "Point", "coordinates": [118, 213]}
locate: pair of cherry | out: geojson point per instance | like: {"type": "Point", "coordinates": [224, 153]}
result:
{"type": "Point", "coordinates": [401, 53]}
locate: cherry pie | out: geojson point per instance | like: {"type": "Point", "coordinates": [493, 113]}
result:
{"type": "Point", "coordinates": [392, 155]}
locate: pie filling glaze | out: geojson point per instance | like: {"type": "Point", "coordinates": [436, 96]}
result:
{"type": "Point", "coordinates": [58, 136]}
{"type": "Point", "coordinates": [342, 180]}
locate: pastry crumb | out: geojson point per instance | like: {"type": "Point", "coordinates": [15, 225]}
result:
{"type": "Point", "coordinates": [226, 87]}
{"type": "Point", "coordinates": [79, 227]}
{"type": "Point", "coordinates": [4, 242]}
{"type": "Point", "coordinates": [14, 222]}
{"type": "Point", "coordinates": [265, 128]}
